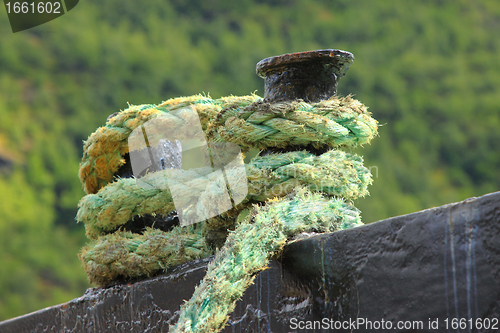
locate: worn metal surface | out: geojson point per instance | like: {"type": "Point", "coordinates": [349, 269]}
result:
{"type": "Point", "coordinates": [152, 304]}
{"type": "Point", "coordinates": [441, 263]}
{"type": "Point", "coordinates": [311, 76]}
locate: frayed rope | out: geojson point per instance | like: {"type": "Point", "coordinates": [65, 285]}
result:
{"type": "Point", "coordinates": [288, 193]}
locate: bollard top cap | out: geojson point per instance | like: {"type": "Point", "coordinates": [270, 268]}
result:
{"type": "Point", "coordinates": [338, 59]}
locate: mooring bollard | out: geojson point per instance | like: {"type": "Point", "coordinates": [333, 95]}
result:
{"type": "Point", "coordinates": [298, 127]}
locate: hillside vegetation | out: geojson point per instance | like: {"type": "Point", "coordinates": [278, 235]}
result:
{"type": "Point", "coordinates": [428, 70]}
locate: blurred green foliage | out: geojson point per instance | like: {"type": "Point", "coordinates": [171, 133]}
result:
{"type": "Point", "coordinates": [428, 70]}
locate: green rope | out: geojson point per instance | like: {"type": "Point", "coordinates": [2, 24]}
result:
{"type": "Point", "coordinates": [124, 254]}
{"type": "Point", "coordinates": [246, 121]}
{"type": "Point", "coordinates": [302, 192]}
{"type": "Point", "coordinates": [104, 149]}
{"type": "Point", "coordinates": [248, 249]}
{"type": "Point", "coordinates": [334, 122]}
{"type": "Point", "coordinates": [334, 173]}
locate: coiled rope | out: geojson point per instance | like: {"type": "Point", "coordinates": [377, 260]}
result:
{"type": "Point", "coordinates": [302, 192]}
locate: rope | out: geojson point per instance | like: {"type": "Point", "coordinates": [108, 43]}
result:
{"type": "Point", "coordinates": [334, 173]}
{"type": "Point", "coordinates": [333, 123]}
{"type": "Point", "coordinates": [246, 121]}
{"type": "Point", "coordinates": [123, 253]}
{"type": "Point", "coordinates": [288, 193]}
{"type": "Point", "coordinates": [104, 150]}
{"type": "Point", "coordinates": [248, 249]}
